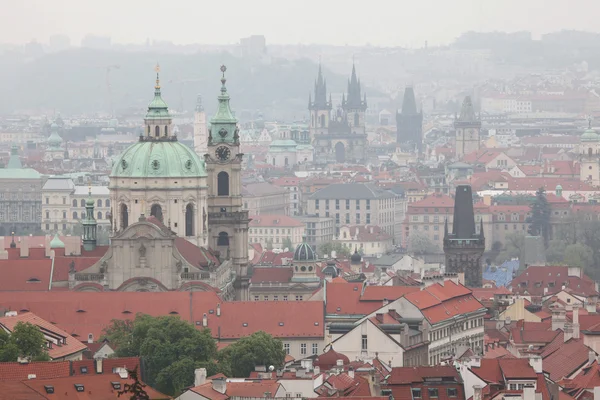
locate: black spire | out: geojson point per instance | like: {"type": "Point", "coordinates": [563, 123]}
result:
{"type": "Point", "coordinates": [354, 99]}
{"type": "Point", "coordinates": [409, 104]}
{"type": "Point", "coordinates": [320, 102]}
{"type": "Point", "coordinates": [463, 225]}
{"type": "Point", "coordinates": [409, 122]}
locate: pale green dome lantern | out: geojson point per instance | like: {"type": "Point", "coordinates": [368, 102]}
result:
{"type": "Point", "coordinates": [158, 154]}
{"type": "Point", "coordinates": [590, 134]}
{"type": "Point", "coordinates": [56, 243]}
{"type": "Point", "coordinates": [54, 140]}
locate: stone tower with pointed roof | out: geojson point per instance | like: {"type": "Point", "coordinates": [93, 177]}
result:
{"type": "Point", "coordinates": [355, 104]}
{"type": "Point", "coordinates": [320, 107]}
{"type": "Point", "coordinates": [468, 130]}
{"type": "Point", "coordinates": [89, 224]}
{"type": "Point", "coordinates": [409, 123]}
{"type": "Point", "coordinates": [464, 247]}
{"type": "Point", "coordinates": [227, 221]}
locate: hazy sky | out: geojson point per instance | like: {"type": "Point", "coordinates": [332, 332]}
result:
{"type": "Point", "coordinates": [379, 22]}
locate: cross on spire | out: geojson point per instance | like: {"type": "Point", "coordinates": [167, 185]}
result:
{"type": "Point", "coordinates": [157, 69]}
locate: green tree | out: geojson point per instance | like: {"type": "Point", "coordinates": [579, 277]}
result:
{"type": "Point", "coordinates": [512, 247]}
{"type": "Point", "coordinates": [287, 243]}
{"type": "Point", "coordinates": [260, 348]}
{"type": "Point", "coordinates": [555, 253]}
{"type": "Point", "coordinates": [419, 244]}
{"type": "Point", "coordinates": [339, 248]}
{"type": "Point", "coordinates": [579, 255]}
{"type": "Point", "coordinates": [540, 216]}
{"type": "Point", "coordinates": [170, 347]}
{"type": "Point", "coordinates": [25, 341]}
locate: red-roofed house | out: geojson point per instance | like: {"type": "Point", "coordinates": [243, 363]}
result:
{"type": "Point", "coordinates": [426, 383]}
{"type": "Point", "coordinates": [274, 230]}
{"type": "Point", "coordinates": [451, 315]}
{"type": "Point", "coordinates": [61, 345]}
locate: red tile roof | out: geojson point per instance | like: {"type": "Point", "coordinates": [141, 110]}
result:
{"type": "Point", "coordinates": [254, 389]}
{"type": "Point", "coordinates": [25, 275]}
{"type": "Point", "coordinates": [566, 359]}
{"type": "Point", "coordinates": [535, 279]}
{"type": "Point", "coordinates": [197, 256]}
{"type": "Point", "coordinates": [403, 379]}
{"type": "Point", "coordinates": [441, 302]}
{"type": "Point", "coordinates": [12, 371]}
{"type": "Point", "coordinates": [329, 359]}
{"type": "Point", "coordinates": [345, 299]}
{"type": "Point", "coordinates": [380, 293]}
{"type": "Point", "coordinates": [58, 350]}
{"type": "Point", "coordinates": [272, 274]}
{"type": "Point", "coordinates": [273, 220]}
{"type": "Point", "coordinates": [95, 387]}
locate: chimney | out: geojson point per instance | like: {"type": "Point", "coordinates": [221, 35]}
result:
{"type": "Point", "coordinates": [268, 395]}
{"type": "Point", "coordinates": [379, 317]}
{"type": "Point", "coordinates": [558, 319]}
{"type": "Point", "coordinates": [477, 392]}
{"type": "Point", "coordinates": [536, 363]}
{"type": "Point", "coordinates": [204, 320]}
{"type": "Point", "coordinates": [351, 372]}
{"type": "Point", "coordinates": [590, 304]}
{"type": "Point", "coordinates": [219, 310]}
{"type": "Point", "coordinates": [24, 249]}
{"type": "Point", "coordinates": [98, 365]}
{"type": "Point", "coordinates": [317, 370]}
{"type": "Point", "coordinates": [199, 376]}
{"type": "Point", "coordinates": [576, 323]}
{"type": "Point", "coordinates": [528, 392]}
{"type": "Point", "coordinates": [339, 363]}
{"type": "Point", "coordinates": [597, 393]}
{"type": "Point", "coordinates": [385, 302]}
{"type": "Point", "coordinates": [90, 338]}
{"type": "Point", "coordinates": [219, 385]}
{"type": "Point", "coordinates": [591, 356]}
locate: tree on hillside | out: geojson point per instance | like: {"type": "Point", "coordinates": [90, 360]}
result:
{"type": "Point", "coordinates": [540, 216]}
{"type": "Point", "coordinates": [170, 347]}
{"type": "Point", "coordinates": [340, 250]}
{"type": "Point", "coordinates": [555, 253]}
{"type": "Point", "coordinates": [513, 246]}
{"type": "Point", "coordinates": [25, 341]}
{"type": "Point", "coordinates": [579, 255]}
{"type": "Point", "coordinates": [419, 244]}
{"type": "Point", "coordinates": [239, 359]}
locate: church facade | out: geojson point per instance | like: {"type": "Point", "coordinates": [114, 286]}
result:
{"type": "Point", "coordinates": [338, 136]}
{"type": "Point", "coordinates": [170, 206]}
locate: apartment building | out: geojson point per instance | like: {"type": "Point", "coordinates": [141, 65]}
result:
{"type": "Point", "coordinates": [274, 230]}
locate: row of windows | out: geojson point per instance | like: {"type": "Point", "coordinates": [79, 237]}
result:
{"type": "Point", "coordinates": [82, 202]}
{"type": "Point", "coordinates": [433, 392]}
{"type": "Point", "coordinates": [75, 215]}
{"type": "Point", "coordinates": [260, 231]}
{"type": "Point", "coordinates": [266, 297]}
{"type": "Point", "coordinates": [441, 333]}
{"type": "Point", "coordinates": [347, 202]}
{"type": "Point", "coordinates": [303, 348]}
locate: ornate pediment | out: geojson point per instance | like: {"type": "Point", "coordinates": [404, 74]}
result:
{"type": "Point", "coordinates": [143, 230]}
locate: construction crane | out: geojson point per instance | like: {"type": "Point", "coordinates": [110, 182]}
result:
{"type": "Point", "coordinates": [109, 88]}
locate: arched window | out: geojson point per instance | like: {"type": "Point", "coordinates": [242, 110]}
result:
{"type": "Point", "coordinates": [273, 160]}
{"type": "Point", "coordinates": [74, 214]}
{"type": "Point", "coordinates": [148, 130]}
{"type": "Point", "coordinates": [124, 216]}
{"type": "Point", "coordinates": [286, 162]}
{"type": "Point", "coordinates": [223, 184]}
{"type": "Point", "coordinates": [590, 151]}
{"type": "Point", "coordinates": [312, 121]}
{"type": "Point", "coordinates": [107, 203]}
{"type": "Point", "coordinates": [322, 121]}
{"type": "Point", "coordinates": [82, 203]}
{"type": "Point", "coordinates": [99, 215]}
{"type": "Point", "coordinates": [189, 220]}
{"type": "Point", "coordinates": [99, 203]}
{"type": "Point", "coordinates": [166, 130]}
{"type": "Point", "coordinates": [356, 119]}
{"type": "Point", "coordinates": [74, 203]}
{"type": "Point", "coordinates": [157, 131]}
{"type": "Point", "coordinates": [223, 239]}
{"type": "Point", "coordinates": [156, 212]}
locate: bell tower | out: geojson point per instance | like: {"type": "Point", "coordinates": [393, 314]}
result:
{"type": "Point", "coordinates": [227, 222]}
{"type": "Point", "coordinates": [320, 108]}
{"type": "Point", "coordinates": [468, 129]}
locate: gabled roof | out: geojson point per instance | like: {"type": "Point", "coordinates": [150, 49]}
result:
{"type": "Point", "coordinates": [566, 360]}
{"type": "Point", "coordinates": [57, 350]}
{"type": "Point", "coordinates": [352, 191]}
{"type": "Point", "coordinates": [14, 371]}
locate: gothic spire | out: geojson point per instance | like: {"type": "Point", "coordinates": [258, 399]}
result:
{"type": "Point", "coordinates": [354, 99]}
{"type": "Point", "coordinates": [409, 104]}
{"type": "Point", "coordinates": [463, 225]}
{"type": "Point", "coordinates": [320, 99]}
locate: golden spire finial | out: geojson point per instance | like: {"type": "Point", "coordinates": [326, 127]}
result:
{"type": "Point", "coordinates": [157, 69]}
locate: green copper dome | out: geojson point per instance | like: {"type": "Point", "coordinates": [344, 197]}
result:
{"type": "Point", "coordinates": [56, 243]}
{"type": "Point", "coordinates": [54, 140]}
{"type": "Point", "coordinates": [590, 134]}
{"type": "Point", "coordinates": [161, 159]}
{"type": "Point", "coordinates": [157, 109]}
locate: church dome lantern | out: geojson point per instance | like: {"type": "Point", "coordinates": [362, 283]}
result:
{"type": "Point", "coordinates": [56, 243]}
{"type": "Point", "coordinates": [304, 252]}
{"type": "Point", "coordinates": [590, 135]}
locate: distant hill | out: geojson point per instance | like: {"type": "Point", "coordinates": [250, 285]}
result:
{"type": "Point", "coordinates": [75, 82]}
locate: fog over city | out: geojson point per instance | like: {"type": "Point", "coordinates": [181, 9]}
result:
{"type": "Point", "coordinates": [255, 200]}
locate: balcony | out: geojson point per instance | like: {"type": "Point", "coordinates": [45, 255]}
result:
{"type": "Point", "coordinates": [89, 277]}
{"type": "Point", "coordinates": [195, 276]}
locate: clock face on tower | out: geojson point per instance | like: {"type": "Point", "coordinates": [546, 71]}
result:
{"type": "Point", "coordinates": [223, 153]}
